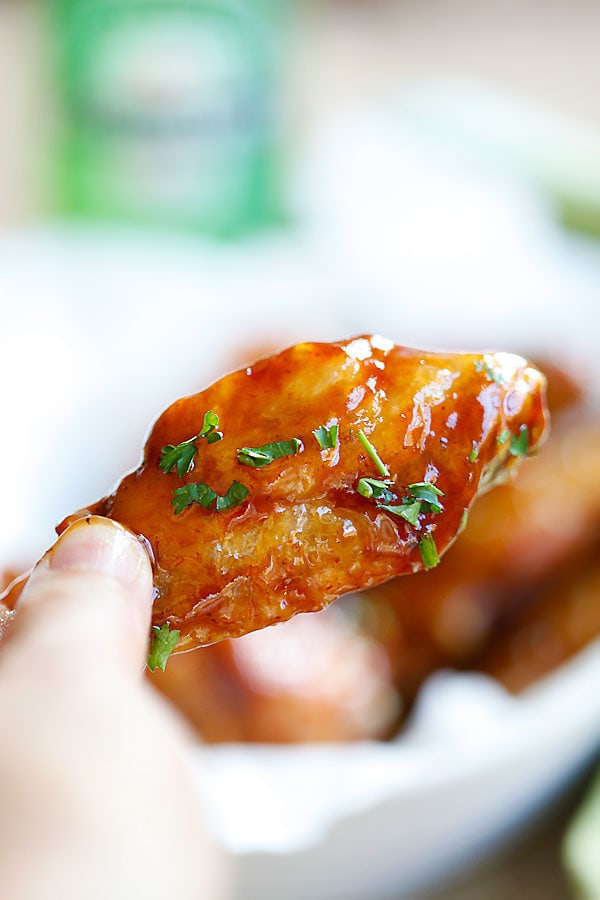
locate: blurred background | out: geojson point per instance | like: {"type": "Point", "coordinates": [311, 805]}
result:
{"type": "Point", "coordinates": [186, 185]}
{"type": "Point", "coordinates": [80, 103]}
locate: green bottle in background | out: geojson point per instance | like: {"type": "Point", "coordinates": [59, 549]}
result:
{"type": "Point", "coordinates": [171, 112]}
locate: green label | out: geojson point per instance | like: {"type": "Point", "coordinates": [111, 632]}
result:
{"type": "Point", "coordinates": [170, 113]}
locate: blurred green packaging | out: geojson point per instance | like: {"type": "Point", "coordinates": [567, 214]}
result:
{"type": "Point", "coordinates": [171, 112]}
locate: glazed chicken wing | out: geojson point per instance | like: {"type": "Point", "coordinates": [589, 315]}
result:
{"type": "Point", "coordinates": [325, 469]}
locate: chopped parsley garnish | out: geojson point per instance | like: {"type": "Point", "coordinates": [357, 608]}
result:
{"type": "Point", "coordinates": [520, 443]}
{"type": "Point", "coordinates": [481, 366]}
{"type": "Point", "coordinates": [209, 427]}
{"type": "Point", "coordinates": [408, 511]}
{"type": "Point", "coordinates": [326, 437]}
{"type": "Point", "coordinates": [372, 452]}
{"type": "Point", "coordinates": [163, 643]}
{"type": "Point", "coordinates": [473, 454]}
{"type": "Point", "coordinates": [262, 456]}
{"type": "Point", "coordinates": [235, 496]}
{"type": "Point", "coordinates": [371, 487]}
{"type": "Point", "coordinates": [203, 495]}
{"type": "Point", "coordinates": [428, 552]}
{"type": "Point", "coordinates": [197, 492]}
{"type": "Point", "coordinates": [428, 494]}
{"type": "Point", "coordinates": [182, 455]}
{"type": "Point", "coordinates": [422, 497]}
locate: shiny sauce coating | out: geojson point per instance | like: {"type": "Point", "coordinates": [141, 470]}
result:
{"type": "Point", "coordinates": [304, 535]}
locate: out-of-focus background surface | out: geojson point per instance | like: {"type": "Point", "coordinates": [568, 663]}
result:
{"type": "Point", "coordinates": [281, 169]}
{"type": "Point", "coordinates": [341, 53]}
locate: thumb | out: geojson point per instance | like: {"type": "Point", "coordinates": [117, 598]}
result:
{"type": "Point", "coordinates": [88, 602]}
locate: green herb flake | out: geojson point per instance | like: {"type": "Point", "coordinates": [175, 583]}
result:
{"type": "Point", "coordinates": [519, 444]}
{"type": "Point", "coordinates": [482, 366]}
{"type": "Point", "coordinates": [428, 552]}
{"type": "Point", "coordinates": [183, 455]}
{"type": "Point", "coordinates": [263, 456]}
{"type": "Point", "coordinates": [503, 436]}
{"type": "Point", "coordinates": [473, 454]}
{"type": "Point", "coordinates": [163, 643]}
{"type": "Point", "coordinates": [209, 426]}
{"type": "Point", "coordinates": [372, 452]}
{"type": "Point", "coordinates": [180, 455]}
{"type": "Point", "coordinates": [423, 497]}
{"type": "Point", "coordinates": [203, 495]}
{"type": "Point", "coordinates": [372, 487]}
{"type": "Point", "coordinates": [408, 511]}
{"type": "Point", "coordinates": [197, 492]}
{"type": "Point", "coordinates": [326, 437]}
{"type": "Point", "coordinates": [235, 496]}
{"type": "Point", "coordinates": [428, 494]}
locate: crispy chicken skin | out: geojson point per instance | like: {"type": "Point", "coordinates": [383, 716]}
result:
{"type": "Point", "coordinates": [303, 535]}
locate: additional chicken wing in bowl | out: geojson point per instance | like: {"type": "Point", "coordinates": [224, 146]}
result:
{"type": "Point", "coordinates": [311, 679]}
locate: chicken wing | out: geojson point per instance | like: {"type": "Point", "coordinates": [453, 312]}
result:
{"type": "Point", "coordinates": [325, 469]}
{"type": "Point", "coordinates": [555, 625]}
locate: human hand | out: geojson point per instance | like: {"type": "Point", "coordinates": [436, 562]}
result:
{"type": "Point", "coordinates": [96, 799]}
